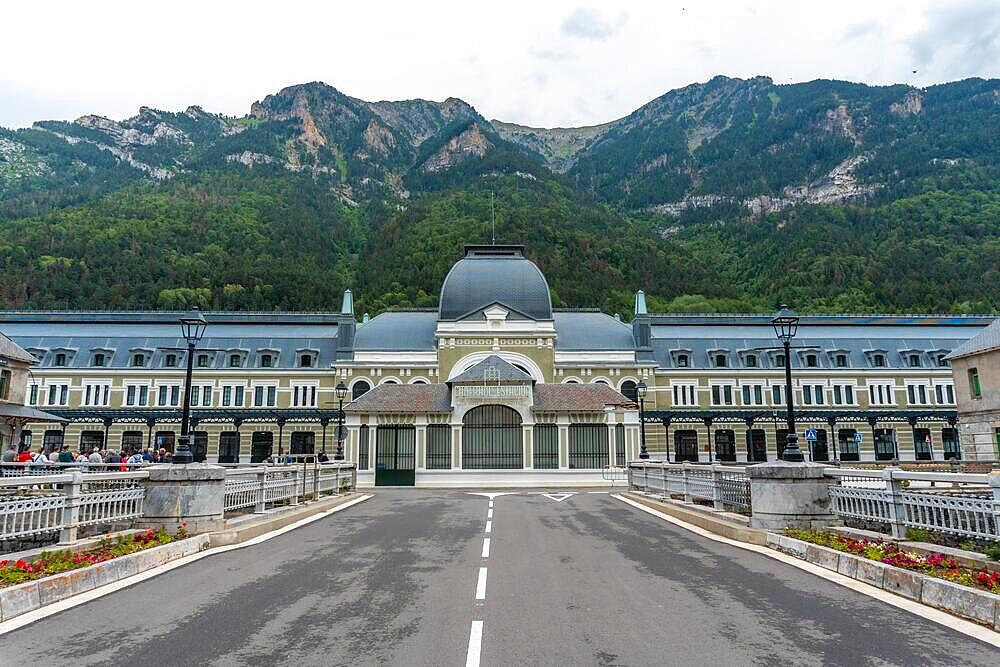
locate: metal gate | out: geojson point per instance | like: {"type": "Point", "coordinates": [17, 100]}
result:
{"type": "Point", "coordinates": [491, 438]}
{"type": "Point", "coordinates": [395, 456]}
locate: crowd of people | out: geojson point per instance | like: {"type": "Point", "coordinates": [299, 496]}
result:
{"type": "Point", "coordinates": [104, 457]}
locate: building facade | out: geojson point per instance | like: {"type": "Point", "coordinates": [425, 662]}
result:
{"type": "Point", "coordinates": [867, 387]}
{"type": "Point", "coordinates": [976, 371]}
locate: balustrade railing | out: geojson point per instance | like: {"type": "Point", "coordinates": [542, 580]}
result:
{"type": "Point", "coordinates": [259, 486]}
{"type": "Point", "coordinates": [967, 505]}
{"type": "Point", "coordinates": [726, 486]}
{"type": "Point", "coordinates": [33, 505]}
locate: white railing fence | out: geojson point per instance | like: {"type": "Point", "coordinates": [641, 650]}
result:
{"type": "Point", "coordinates": [260, 486]}
{"type": "Point", "coordinates": [33, 505]}
{"type": "Point", "coordinates": [727, 487]}
{"type": "Point", "coordinates": [962, 504]}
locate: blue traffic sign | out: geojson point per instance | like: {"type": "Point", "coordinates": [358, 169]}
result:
{"type": "Point", "coordinates": [811, 434]}
{"type": "Point", "coordinates": [858, 438]}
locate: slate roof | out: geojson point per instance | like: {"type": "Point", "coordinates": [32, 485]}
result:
{"type": "Point", "coordinates": [986, 340]}
{"type": "Point", "coordinates": [397, 331]}
{"type": "Point", "coordinates": [505, 372]}
{"type": "Point", "coordinates": [117, 334]}
{"type": "Point", "coordinates": [703, 335]}
{"type": "Point", "coordinates": [415, 398]}
{"type": "Point", "coordinates": [576, 397]}
{"type": "Point", "coordinates": [12, 350]}
{"type": "Point", "coordinates": [494, 274]}
{"type": "Point", "coordinates": [586, 331]}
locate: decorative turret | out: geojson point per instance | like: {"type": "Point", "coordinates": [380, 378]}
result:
{"type": "Point", "coordinates": [642, 328]}
{"type": "Point", "coordinates": [347, 305]}
{"type": "Point", "coordinates": [346, 328]}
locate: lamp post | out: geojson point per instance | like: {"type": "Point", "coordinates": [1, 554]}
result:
{"type": "Point", "coordinates": [640, 390]}
{"type": "Point", "coordinates": [193, 328]}
{"type": "Point", "coordinates": [786, 324]}
{"type": "Point", "coordinates": [341, 390]}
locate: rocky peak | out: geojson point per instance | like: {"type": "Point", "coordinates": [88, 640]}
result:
{"type": "Point", "coordinates": [471, 142]}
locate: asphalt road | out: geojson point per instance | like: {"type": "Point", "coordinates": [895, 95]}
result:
{"type": "Point", "coordinates": [394, 580]}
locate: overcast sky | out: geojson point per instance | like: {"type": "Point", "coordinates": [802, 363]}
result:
{"type": "Point", "coordinates": [545, 62]}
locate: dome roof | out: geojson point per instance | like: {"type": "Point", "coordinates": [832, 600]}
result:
{"type": "Point", "coordinates": [495, 274]}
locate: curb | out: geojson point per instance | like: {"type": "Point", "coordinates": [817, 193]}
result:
{"type": "Point", "coordinates": [981, 607]}
{"type": "Point", "coordinates": [32, 595]}
{"type": "Point", "coordinates": [268, 522]}
{"type": "Point", "coordinates": [729, 529]}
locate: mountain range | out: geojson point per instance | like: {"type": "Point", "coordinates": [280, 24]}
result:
{"type": "Point", "coordinates": [728, 194]}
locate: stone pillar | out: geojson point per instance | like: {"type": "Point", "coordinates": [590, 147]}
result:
{"type": "Point", "coordinates": [193, 493]}
{"type": "Point", "coordinates": [789, 495]}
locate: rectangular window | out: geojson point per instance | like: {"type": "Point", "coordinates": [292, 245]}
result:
{"type": "Point", "coordinates": [684, 394]}
{"type": "Point", "coordinates": [227, 396]}
{"type": "Point", "coordinates": [258, 396]}
{"type": "Point", "coordinates": [195, 391]}
{"type": "Point", "coordinates": [438, 446]}
{"type": "Point", "coordinates": [807, 395]}
{"type": "Point", "coordinates": [162, 397]}
{"type": "Point", "coordinates": [33, 395]}
{"type": "Point", "coordinates": [130, 395]}
{"type": "Point", "coordinates": [818, 394]}
{"type": "Point", "coordinates": [880, 394]}
{"type": "Point", "coordinates": [272, 393]}
{"type": "Point", "coordinates": [838, 398]}
{"type": "Point", "coordinates": [777, 395]}
{"type": "Point", "coordinates": [722, 394]}
{"type": "Point", "coordinates": [175, 395]}
{"type": "Point", "coordinates": [975, 390]}
{"type": "Point", "coordinates": [238, 400]}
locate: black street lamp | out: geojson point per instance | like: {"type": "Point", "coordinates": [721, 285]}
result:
{"type": "Point", "coordinates": [341, 390]}
{"type": "Point", "coordinates": [193, 328]}
{"type": "Point", "coordinates": [640, 390]}
{"type": "Point", "coordinates": [786, 324]}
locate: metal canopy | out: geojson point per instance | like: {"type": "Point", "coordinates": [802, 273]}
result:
{"type": "Point", "coordinates": [154, 415]}
{"type": "Point", "coordinates": [707, 416]}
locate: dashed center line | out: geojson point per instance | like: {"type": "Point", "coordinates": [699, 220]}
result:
{"type": "Point", "coordinates": [489, 513]}
{"type": "Point", "coordinates": [475, 644]}
{"type": "Point", "coordinates": [489, 526]}
{"type": "Point", "coordinates": [481, 584]}
{"type": "Point", "coordinates": [486, 547]}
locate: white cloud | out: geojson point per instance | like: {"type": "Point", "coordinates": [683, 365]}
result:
{"type": "Point", "coordinates": [538, 63]}
{"type": "Point", "coordinates": [589, 24]}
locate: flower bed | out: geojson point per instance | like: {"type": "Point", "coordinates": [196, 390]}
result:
{"type": "Point", "coordinates": [884, 551]}
{"type": "Point", "coordinates": [55, 562]}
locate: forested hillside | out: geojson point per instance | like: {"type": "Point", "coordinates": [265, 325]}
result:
{"type": "Point", "coordinates": [728, 195]}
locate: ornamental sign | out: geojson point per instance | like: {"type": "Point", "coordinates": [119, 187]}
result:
{"type": "Point", "coordinates": [493, 391]}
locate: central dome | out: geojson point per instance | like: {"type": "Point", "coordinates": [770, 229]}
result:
{"type": "Point", "coordinates": [491, 274]}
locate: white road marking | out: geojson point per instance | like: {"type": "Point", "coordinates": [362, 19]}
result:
{"type": "Point", "coordinates": [491, 504]}
{"type": "Point", "coordinates": [598, 492]}
{"type": "Point", "coordinates": [491, 494]}
{"type": "Point", "coordinates": [489, 526]}
{"type": "Point", "coordinates": [489, 513]}
{"type": "Point", "coordinates": [475, 644]}
{"type": "Point", "coordinates": [481, 584]}
{"type": "Point", "coordinates": [969, 628]}
{"type": "Point", "coordinates": [486, 547]}
{"type": "Point", "coordinates": [69, 603]}
{"type": "Point", "coordinates": [559, 497]}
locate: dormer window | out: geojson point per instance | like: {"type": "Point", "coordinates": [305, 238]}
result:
{"type": "Point", "coordinates": [306, 361]}
{"type": "Point", "coordinates": [840, 360]}
{"type": "Point", "coordinates": [942, 360]}
{"type": "Point", "coordinates": [913, 360]}
{"type": "Point", "coordinates": [60, 359]}
{"type": "Point", "coordinates": [720, 361]}
{"type": "Point", "coordinates": [779, 360]}
{"type": "Point", "coordinates": [751, 361]}
{"type": "Point", "coordinates": [99, 359]}
{"type": "Point", "coordinates": [138, 360]}
{"type": "Point", "coordinates": [266, 361]}
{"type": "Point", "coordinates": [235, 361]}
{"type": "Point", "coordinates": [170, 360]}
{"type": "Point", "coordinates": [811, 361]}
{"type": "Point", "coordinates": [203, 361]}
{"type": "Point", "coordinates": [878, 361]}
{"type": "Point", "coordinates": [682, 361]}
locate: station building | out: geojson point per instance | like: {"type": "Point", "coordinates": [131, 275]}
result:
{"type": "Point", "coordinates": [496, 386]}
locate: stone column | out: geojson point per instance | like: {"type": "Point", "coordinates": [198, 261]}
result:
{"type": "Point", "coordinates": [789, 495]}
{"type": "Point", "coordinates": [193, 493]}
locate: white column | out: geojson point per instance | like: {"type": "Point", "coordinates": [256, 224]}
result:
{"type": "Point", "coordinates": [528, 446]}
{"type": "Point", "coordinates": [456, 446]}
{"type": "Point", "coordinates": [610, 418]}
{"type": "Point", "coordinates": [421, 442]}
{"type": "Point", "coordinates": [563, 425]}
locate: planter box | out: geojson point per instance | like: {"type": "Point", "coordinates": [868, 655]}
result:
{"type": "Point", "coordinates": [975, 605]}
{"type": "Point", "coordinates": [22, 598]}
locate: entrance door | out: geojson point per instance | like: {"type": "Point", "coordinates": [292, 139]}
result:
{"type": "Point", "coordinates": [725, 445]}
{"type": "Point", "coordinates": [685, 446]}
{"type": "Point", "coordinates": [756, 445]}
{"type": "Point", "coordinates": [922, 444]}
{"type": "Point", "coordinates": [261, 443]}
{"type": "Point", "coordinates": [819, 449]}
{"type": "Point", "coordinates": [395, 455]}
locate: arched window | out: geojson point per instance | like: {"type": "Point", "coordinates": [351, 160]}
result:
{"type": "Point", "coordinates": [359, 389]}
{"type": "Point", "coordinates": [521, 368]}
{"type": "Point", "coordinates": [572, 382]}
{"type": "Point", "coordinates": [390, 382]}
{"type": "Point", "coordinates": [629, 390]}
{"type": "Point", "coordinates": [418, 382]}
{"type": "Point", "coordinates": [604, 382]}
{"type": "Point", "coordinates": [491, 438]}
